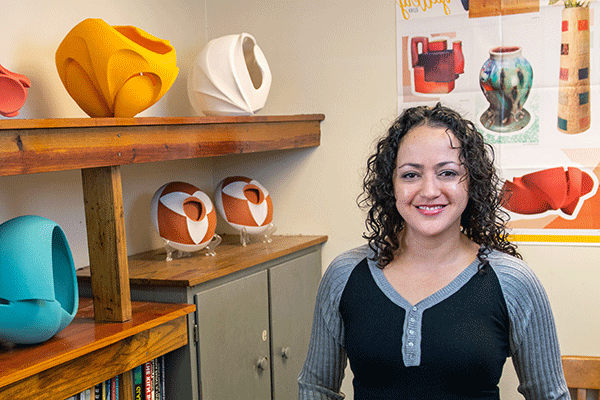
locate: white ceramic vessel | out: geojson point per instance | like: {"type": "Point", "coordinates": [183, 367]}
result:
{"type": "Point", "coordinates": [230, 76]}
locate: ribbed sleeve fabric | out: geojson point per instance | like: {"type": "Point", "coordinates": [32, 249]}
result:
{"type": "Point", "coordinates": [534, 345]}
{"type": "Point", "coordinates": [323, 372]}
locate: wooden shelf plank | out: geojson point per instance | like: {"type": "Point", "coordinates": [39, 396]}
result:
{"type": "Point", "coordinates": [32, 146]}
{"type": "Point", "coordinates": [151, 269]}
{"type": "Point", "coordinates": [107, 349]}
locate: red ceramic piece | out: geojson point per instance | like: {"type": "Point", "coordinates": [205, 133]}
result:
{"type": "Point", "coordinates": [13, 92]}
{"type": "Point", "coordinates": [549, 189]}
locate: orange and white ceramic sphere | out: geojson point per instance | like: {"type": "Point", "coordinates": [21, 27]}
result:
{"type": "Point", "coordinates": [184, 216]}
{"type": "Point", "coordinates": [244, 203]}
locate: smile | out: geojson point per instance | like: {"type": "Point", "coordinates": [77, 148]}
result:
{"type": "Point", "coordinates": [430, 208]}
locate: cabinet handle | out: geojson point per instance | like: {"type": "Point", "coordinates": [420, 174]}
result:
{"type": "Point", "coordinates": [262, 364]}
{"type": "Point", "coordinates": [285, 352]}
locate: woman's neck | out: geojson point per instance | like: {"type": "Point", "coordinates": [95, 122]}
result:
{"type": "Point", "coordinates": [435, 252]}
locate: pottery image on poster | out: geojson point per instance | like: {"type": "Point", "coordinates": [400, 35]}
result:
{"type": "Point", "coordinates": [548, 189]}
{"type": "Point", "coordinates": [574, 113]}
{"type": "Point", "coordinates": [435, 66]}
{"type": "Point", "coordinates": [505, 79]}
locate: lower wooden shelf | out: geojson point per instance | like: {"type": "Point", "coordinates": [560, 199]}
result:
{"type": "Point", "coordinates": [87, 352]}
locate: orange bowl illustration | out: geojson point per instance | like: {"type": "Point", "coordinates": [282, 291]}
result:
{"type": "Point", "coordinates": [244, 203]}
{"type": "Point", "coordinates": [549, 189]}
{"type": "Point", "coordinates": [184, 216]}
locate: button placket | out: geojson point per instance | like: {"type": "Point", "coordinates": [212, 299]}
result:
{"type": "Point", "coordinates": [412, 338]}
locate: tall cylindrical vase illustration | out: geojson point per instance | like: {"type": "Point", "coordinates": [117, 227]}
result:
{"type": "Point", "coordinates": [506, 79]}
{"type": "Point", "coordinates": [574, 77]}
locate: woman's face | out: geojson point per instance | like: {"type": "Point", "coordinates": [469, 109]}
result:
{"type": "Point", "coordinates": [430, 185]}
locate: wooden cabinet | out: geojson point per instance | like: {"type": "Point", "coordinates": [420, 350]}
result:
{"type": "Point", "coordinates": [111, 334]}
{"type": "Point", "coordinates": [254, 314]}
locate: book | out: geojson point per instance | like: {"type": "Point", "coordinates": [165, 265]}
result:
{"type": "Point", "coordinates": [113, 388]}
{"type": "Point", "coordinates": [138, 379]}
{"type": "Point", "coordinates": [148, 380]}
{"type": "Point", "coordinates": [156, 379]}
{"type": "Point", "coordinates": [162, 378]}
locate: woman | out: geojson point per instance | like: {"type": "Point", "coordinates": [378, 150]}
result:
{"type": "Point", "coordinates": [438, 299]}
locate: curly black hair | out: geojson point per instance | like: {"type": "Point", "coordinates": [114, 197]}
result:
{"type": "Point", "coordinates": [483, 221]}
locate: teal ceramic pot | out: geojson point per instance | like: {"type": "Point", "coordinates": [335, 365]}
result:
{"type": "Point", "coordinates": [38, 295]}
{"type": "Point", "coordinates": [506, 79]}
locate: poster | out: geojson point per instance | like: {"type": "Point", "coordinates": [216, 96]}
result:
{"type": "Point", "coordinates": [526, 73]}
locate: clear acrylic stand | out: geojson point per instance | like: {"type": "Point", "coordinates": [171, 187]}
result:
{"type": "Point", "coordinates": [174, 253]}
{"type": "Point", "coordinates": [266, 236]}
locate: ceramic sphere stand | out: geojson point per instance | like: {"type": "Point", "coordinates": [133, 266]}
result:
{"type": "Point", "coordinates": [174, 253]}
{"type": "Point", "coordinates": [266, 236]}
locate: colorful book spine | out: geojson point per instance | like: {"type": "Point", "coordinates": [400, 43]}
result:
{"type": "Point", "coordinates": [138, 379]}
{"type": "Point", "coordinates": [148, 380]}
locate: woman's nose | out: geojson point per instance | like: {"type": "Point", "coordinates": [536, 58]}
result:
{"type": "Point", "coordinates": [430, 187]}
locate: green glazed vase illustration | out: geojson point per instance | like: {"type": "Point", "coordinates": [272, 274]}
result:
{"type": "Point", "coordinates": [506, 79]}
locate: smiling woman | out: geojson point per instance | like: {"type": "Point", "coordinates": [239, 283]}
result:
{"type": "Point", "coordinates": [438, 299]}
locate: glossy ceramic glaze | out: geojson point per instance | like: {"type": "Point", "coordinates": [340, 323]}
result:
{"type": "Point", "coordinates": [436, 66]}
{"type": "Point", "coordinates": [38, 294]}
{"type": "Point", "coordinates": [114, 71]}
{"type": "Point", "coordinates": [505, 79]}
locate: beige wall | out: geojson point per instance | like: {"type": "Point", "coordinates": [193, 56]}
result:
{"type": "Point", "coordinates": [333, 57]}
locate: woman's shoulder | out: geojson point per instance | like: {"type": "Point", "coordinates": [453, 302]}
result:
{"type": "Point", "coordinates": [508, 266]}
{"type": "Point", "coordinates": [517, 278]}
{"type": "Point", "coordinates": [339, 270]}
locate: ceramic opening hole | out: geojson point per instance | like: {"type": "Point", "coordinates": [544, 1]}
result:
{"type": "Point", "coordinates": [254, 70]}
{"type": "Point", "coordinates": [254, 195]}
{"type": "Point", "coordinates": [193, 209]}
{"type": "Point", "coordinates": [505, 49]}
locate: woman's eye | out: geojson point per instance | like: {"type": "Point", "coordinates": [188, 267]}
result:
{"type": "Point", "coordinates": [449, 174]}
{"type": "Point", "coordinates": [409, 175]}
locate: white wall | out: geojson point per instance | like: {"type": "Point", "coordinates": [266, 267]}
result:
{"type": "Point", "coordinates": [333, 57]}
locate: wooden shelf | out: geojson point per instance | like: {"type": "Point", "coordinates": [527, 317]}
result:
{"type": "Point", "coordinates": [44, 145]}
{"type": "Point", "coordinates": [87, 352]}
{"type": "Point", "coordinates": [151, 269]}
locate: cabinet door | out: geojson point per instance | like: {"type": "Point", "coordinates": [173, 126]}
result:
{"type": "Point", "coordinates": [293, 286]}
{"type": "Point", "coordinates": [233, 350]}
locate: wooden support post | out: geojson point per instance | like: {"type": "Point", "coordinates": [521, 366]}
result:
{"type": "Point", "coordinates": [126, 386]}
{"type": "Point", "coordinates": [103, 198]}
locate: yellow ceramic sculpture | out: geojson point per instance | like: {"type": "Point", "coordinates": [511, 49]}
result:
{"type": "Point", "coordinates": [114, 71]}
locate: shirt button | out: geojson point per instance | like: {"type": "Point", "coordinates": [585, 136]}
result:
{"type": "Point", "coordinates": [412, 319]}
{"type": "Point", "coordinates": [411, 332]}
{"type": "Point", "coordinates": [410, 344]}
{"type": "Point", "coordinates": [414, 308]}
